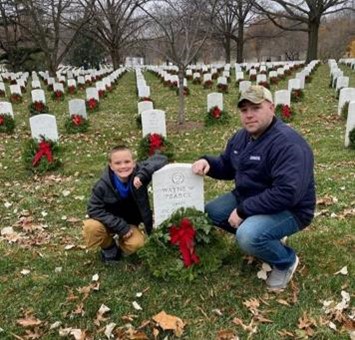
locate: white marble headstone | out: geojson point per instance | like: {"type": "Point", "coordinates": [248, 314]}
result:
{"type": "Point", "coordinates": [176, 186]}
{"type": "Point", "coordinates": [144, 106]}
{"type": "Point", "coordinates": [92, 92]}
{"type": "Point", "coordinates": [207, 77]}
{"type": "Point", "coordinates": [77, 107]}
{"type": "Point", "coordinates": [36, 84]}
{"type": "Point", "coordinates": [38, 96]}
{"type": "Point", "coordinates": [44, 125]}
{"type": "Point", "coordinates": [2, 87]}
{"type": "Point", "coordinates": [239, 75]}
{"type": "Point", "coordinates": [196, 75]}
{"type": "Point", "coordinates": [214, 99]}
{"type": "Point", "coordinates": [153, 121]}
{"type": "Point", "coordinates": [282, 97]}
{"type": "Point", "coordinates": [81, 80]}
{"type": "Point", "coordinates": [261, 78]}
{"type": "Point", "coordinates": [15, 89]}
{"type": "Point", "coordinates": [346, 94]}
{"type": "Point", "coordinates": [71, 82]}
{"type": "Point", "coordinates": [6, 108]}
{"type": "Point", "coordinates": [342, 82]}
{"type": "Point", "coordinates": [58, 87]}
{"type": "Point", "coordinates": [350, 122]}
{"type": "Point", "coordinates": [294, 84]}
{"type": "Point", "coordinates": [143, 91]}
{"type": "Point", "coordinates": [222, 80]}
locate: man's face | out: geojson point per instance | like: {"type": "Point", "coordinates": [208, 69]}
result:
{"type": "Point", "coordinates": [122, 164]}
{"type": "Point", "coordinates": [256, 118]}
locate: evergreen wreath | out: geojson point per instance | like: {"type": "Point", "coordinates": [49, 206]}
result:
{"type": "Point", "coordinates": [208, 84]}
{"type": "Point", "coordinates": [15, 98]}
{"type": "Point", "coordinates": [264, 84]}
{"type": "Point", "coordinates": [284, 112]}
{"type": "Point", "coordinates": [41, 156]}
{"type": "Point", "coordinates": [184, 246]}
{"type": "Point", "coordinates": [7, 123]}
{"type": "Point", "coordinates": [352, 138]}
{"type": "Point", "coordinates": [297, 95]}
{"type": "Point", "coordinates": [152, 143]}
{"type": "Point", "coordinates": [92, 104]}
{"type": "Point", "coordinates": [223, 88]}
{"type": "Point", "coordinates": [216, 116]}
{"type": "Point", "coordinates": [71, 89]}
{"type": "Point", "coordinates": [76, 124]}
{"type": "Point", "coordinates": [57, 95]}
{"type": "Point", "coordinates": [38, 107]}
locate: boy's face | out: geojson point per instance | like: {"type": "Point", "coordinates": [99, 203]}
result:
{"type": "Point", "coordinates": [122, 164]}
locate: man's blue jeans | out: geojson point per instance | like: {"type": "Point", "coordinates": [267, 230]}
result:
{"type": "Point", "coordinates": [257, 235]}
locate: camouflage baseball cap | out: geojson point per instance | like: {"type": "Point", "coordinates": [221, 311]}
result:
{"type": "Point", "coordinates": [256, 94]}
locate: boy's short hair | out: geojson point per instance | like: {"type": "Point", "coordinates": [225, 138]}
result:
{"type": "Point", "coordinates": [120, 147]}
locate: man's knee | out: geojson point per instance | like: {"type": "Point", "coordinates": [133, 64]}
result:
{"type": "Point", "coordinates": [247, 240]}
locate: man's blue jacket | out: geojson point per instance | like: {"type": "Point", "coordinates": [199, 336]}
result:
{"type": "Point", "coordinates": [272, 173]}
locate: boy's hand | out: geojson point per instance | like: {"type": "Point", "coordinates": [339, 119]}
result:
{"type": "Point", "coordinates": [128, 234]}
{"type": "Point", "coordinates": [137, 182]}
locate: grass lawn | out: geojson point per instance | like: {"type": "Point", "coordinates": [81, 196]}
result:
{"type": "Point", "coordinates": [46, 275]}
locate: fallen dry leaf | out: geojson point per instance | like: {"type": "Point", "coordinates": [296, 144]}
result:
{"type": "Point", "coordinates": [169, 322]}
{"type": "Point", "coordinates": [100, 315]}
{"type": "Point", "coordinates": [226, 334]}
{"type": "Point", "coordinates": [29, 321]}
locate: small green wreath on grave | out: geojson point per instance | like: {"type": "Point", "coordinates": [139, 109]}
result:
{"type": "Point", "coordinates": [57, 95]}
{"type": "Point", "coordinates": [15, 98]}
{"type": "Point", "coordinates": [92, 104]}
{"type": "Point", "coordinates": [37, 107]}
{"type": "Point", "coordinates": [297, 95]}
{"type": "Point", "coordinates": [41, 156]}
{"type": "Point", "coordinates": [284, 112]}
{"type": "Point", "coordinates": [76, 124]}
{"type": "Point", "coordinates": [155, 143]}
{"type": "Point", "coordinates": [352, 138]}
{"type": "Point", "coordinates": [216, 116]}
{"type": "Point", "coordinates": [344, 110]}
{"type": "Point", "coordinates": [7, 123]}
{"type": "Point", "coordinates": [223, 88]}
{"type": "Point", "coordinates": [185, 246]}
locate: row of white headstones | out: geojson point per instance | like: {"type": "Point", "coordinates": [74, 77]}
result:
{"type": "Point", "coordinates": [153, 120]}
{"type": "Point", "coordinates": [346, 95]}
{"type": "Point", "coordinates": [45, 124]}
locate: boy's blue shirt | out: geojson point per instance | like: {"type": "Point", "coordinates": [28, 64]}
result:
{"type": "Point", "coordinates": [121, 187]}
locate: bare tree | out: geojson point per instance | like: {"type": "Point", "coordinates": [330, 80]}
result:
{"type": "Point", "coordinates": [176, 28]}
{"type": "Point", "coordinates": [116, 25]}
{"type": "Point", "coordinates": [305, 15]}
{"type": "Point", "coordinates": [52, 25]}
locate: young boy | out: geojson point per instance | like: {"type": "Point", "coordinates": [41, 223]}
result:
{"type": "Point", "coordinates": [119, 203]}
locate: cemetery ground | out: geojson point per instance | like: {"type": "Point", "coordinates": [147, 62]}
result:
{"type": "Point", "coordinates": [48, 277]}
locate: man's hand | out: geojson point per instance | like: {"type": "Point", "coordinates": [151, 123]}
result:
{"type": "Point", "coordinates": [234, 220]}
{"type": "Point", "coordinates": [128, 234]}
{"type": "Point", "coordinates": [200, 167]}
{"type": "Point", "coordinates": [137, 182]}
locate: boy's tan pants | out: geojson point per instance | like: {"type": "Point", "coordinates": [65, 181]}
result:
{"type": "Point", "coordinates": [96, 235]}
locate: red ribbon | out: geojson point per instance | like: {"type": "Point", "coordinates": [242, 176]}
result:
{"type": "Point", "coordinates": [92, 103]}
{"type": "Point", "coordinates": [286, 111]}
{"type": "Point", "coordinates": [155, 143]}
{"type": "Point", "coordinates": [76, 119]}
{"type": "Point", "coordinates": [216, 113]}
{"type": "Point", "coordinates": [184, 236]}
{"type": "Point", "coordinates": [2, 120]}
{"type": "Point", "coordinates": [44, 150]}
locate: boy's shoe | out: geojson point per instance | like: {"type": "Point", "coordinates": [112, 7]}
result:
{"type": "Point", "coordinates": [278, 279]}
{"type": "Point", "coordinates": [111, 256]}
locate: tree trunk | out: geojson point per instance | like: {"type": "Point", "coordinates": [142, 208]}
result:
{"type": "Point", "coordinates": [312, 49]}
{"type": "Point", "coordinates": [115, 58]}
{"type": "Point", "coordinates": [227, 48]}
{"type": "Point", "coordinates": [181, 117]}
{"type": "Point", "coordinates": [240, 42]}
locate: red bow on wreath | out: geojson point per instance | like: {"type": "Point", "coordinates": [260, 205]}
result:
{"type": "Point", "coordinates": [155, 143]}
{"type": "Point", "coordinates": [286, 111]}
{"type": "Point", "coordinates": [76, 119]}
{"type": "Point", "coordinates": [216, 113]}
{"type": "Point", "coordinates": [183, 236]}
{"type": "Point", "coordinates": [2, 120]}
{"type": "Point", "coordinates": [43, 150]}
